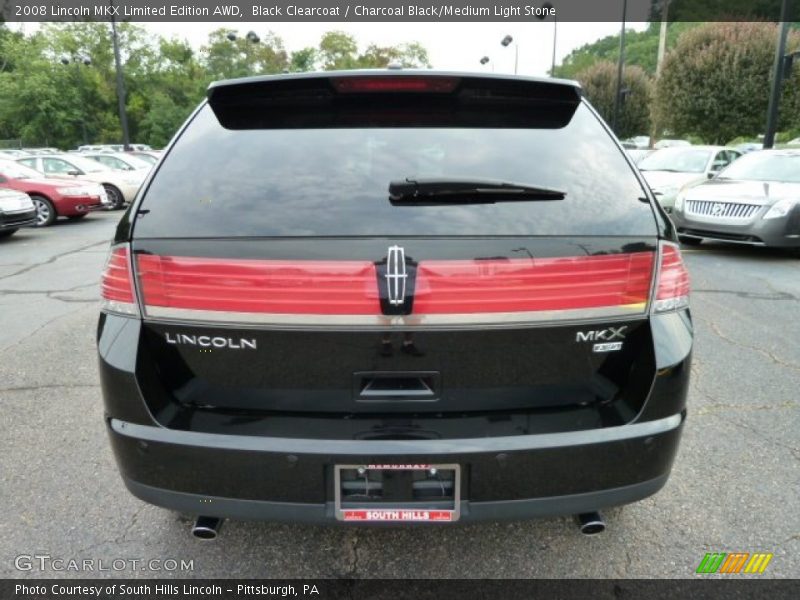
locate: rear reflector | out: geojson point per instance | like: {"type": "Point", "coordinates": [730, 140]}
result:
{"type": "Point", "coordinates": [358, 85]}
{"type": "Point", "coordinates": [672, 290]}
{"type": "Point", "coordinates": [116, 283]}
{"type": "Point", "coordinates": [259, 286]}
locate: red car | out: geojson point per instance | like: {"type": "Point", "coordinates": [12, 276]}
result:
{"type": "Point", "coordinates": [52, 198]}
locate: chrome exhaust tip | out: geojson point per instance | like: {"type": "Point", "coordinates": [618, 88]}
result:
{"type": "Point", "coordinates": [206, 528]}
{"type": "Point", "coordinates": [591, 523]}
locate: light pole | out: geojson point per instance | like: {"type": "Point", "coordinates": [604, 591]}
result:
{"type": "Point", "coordinates": [123, 116]}
{"type": "Point", "coordinates": [506, 42]}
{"type": "Point", "coordinates": [78, 61]}
{"type": "Point", "coordinates": [620, 64]}
{"type": "Point", "coordinates": [548, 7]}
{"type": "Point", "coordinates": [485, 61]}
{"type": "Point", "coordinates": [777, 78]}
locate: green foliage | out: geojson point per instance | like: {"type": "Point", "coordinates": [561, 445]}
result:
{"type": "Point", "coordinates": [339, 50]}
{"type": "Point", "coordinates": [716, 82]}
{"type": "Point", "coordinates": [45, 102]}
{"type": "Point", "coordinates": [599, 82]}
{"type": "Point", "coordinates": [641, 49]}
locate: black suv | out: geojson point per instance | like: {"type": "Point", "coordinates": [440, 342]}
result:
{"type": "Point", "coordinates": [394, 296]}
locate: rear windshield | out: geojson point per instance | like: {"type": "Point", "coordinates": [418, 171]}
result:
{"type": "Point", "coordinates": [218, 182]}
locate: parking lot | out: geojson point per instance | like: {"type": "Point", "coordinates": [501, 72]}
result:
{"type": "Point", "coordinates": [734, 487]}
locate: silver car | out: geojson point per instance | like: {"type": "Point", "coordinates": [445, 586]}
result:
{"type": "Point", "coordinates": [668, 170]}
{"type": "Point", "coordinates": [754, 201]}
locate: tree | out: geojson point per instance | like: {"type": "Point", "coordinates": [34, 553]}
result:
{"type": "Point", "coordinates": [599, 83]}
{"type": "Point", "coordinates": [225, 58]}
{"type": "Point", "coordinates": [407, 55]}
{"type": "Point", "coordinates": [715, 84]}
{"type": "Point", "coordinates": [641, 49]}
{"type": "Point", "coordinates": [44, 101]}
{"type": "Point", "coordinates": [338, 50]}
{"type": "Point", "coordinates": [303, 60]}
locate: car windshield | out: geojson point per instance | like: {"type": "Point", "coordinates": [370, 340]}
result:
{"type": "Point", "coordinates": [765, 166]}
{"type": "Point", "coordinates": [86, 165]}
{"type": "Point", "coordinates": [14, 170]}
{"type": "Point", "coordinates": [681, 160]}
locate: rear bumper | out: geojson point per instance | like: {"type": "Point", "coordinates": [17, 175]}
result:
{"type": "Point", "coordinates": [282, 479]}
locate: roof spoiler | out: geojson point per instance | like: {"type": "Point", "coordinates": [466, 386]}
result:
{"type": "Point", "coordinates": [406, 99]}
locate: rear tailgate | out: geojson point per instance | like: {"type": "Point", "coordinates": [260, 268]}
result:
{"type": "Point", "coordinates": [276, 277]}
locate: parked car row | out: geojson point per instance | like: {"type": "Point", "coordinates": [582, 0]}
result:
{"type": "Point", "coordinates": [70, 185]}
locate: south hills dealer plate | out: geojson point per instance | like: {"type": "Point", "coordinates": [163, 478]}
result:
{"type": "Point", "coordinates": [397, 493]}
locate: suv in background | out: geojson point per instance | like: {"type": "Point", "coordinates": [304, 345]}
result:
{"type": "Point", "coordinates": [394, 296]}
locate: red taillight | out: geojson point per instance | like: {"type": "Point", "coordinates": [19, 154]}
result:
{"type": "Point", "coordinates": [356, 85]}
{"type": "Point", "coordinates": [672, 287]}
{"type": "Point", "coordinates": [259, 286]}
{"type": "Point", "coordinates": [349, 291]}
{"type": "Point", "coordinates": [116, 283]}
{"type": "Point", "coordinates": [540, 284]}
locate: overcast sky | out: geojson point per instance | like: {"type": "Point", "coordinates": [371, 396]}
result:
{"type": "Point", "coordinates": [457, 46]}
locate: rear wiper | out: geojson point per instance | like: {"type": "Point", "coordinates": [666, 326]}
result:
{"type": "Point", "coordinates": [422, 192]}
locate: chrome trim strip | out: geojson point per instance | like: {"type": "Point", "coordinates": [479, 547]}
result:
{"type": "Point", "coordinates": [213, 317]}
{"type": "Point", "coordinates": [397, 447]}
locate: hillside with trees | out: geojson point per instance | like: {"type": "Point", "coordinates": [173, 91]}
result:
{"type": "Point", "coordinates": [714, 86]}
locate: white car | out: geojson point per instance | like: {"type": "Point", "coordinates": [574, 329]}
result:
{"type": "Point", "coordinates": [670, 169]}
{"type": "Point", "coordinates": [16, 210]}
{"type": "Point", "coordinates": [120, 186]}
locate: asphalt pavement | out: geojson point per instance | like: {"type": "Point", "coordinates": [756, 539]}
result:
{"type": "Point", "coordinates": [735, 486]}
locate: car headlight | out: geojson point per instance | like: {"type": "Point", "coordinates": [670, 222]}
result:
{"type": "Point", "coordinates": [780, 209]}
{"type": "Point", "coordinates": [73, 191]}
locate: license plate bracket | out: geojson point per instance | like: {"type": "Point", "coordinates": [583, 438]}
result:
{"type": "Point", "coordinates": [397, 493]}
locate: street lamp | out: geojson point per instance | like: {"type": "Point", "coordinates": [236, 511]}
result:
{"type": "Point", "coordinates": [506, 42]}
{"type": "Point", "coordinates": [78, 61]}
{"type": "Point", "coordinates": [485, 61]}
{"type": "Point", "coordinates": [252, 38]}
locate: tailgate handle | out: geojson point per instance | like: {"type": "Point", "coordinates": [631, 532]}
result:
{"type": "Point", "coordinates": [396, 386]}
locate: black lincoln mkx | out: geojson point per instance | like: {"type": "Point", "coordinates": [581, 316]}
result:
{"type": "Point", "coordinates": [394, 296]}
